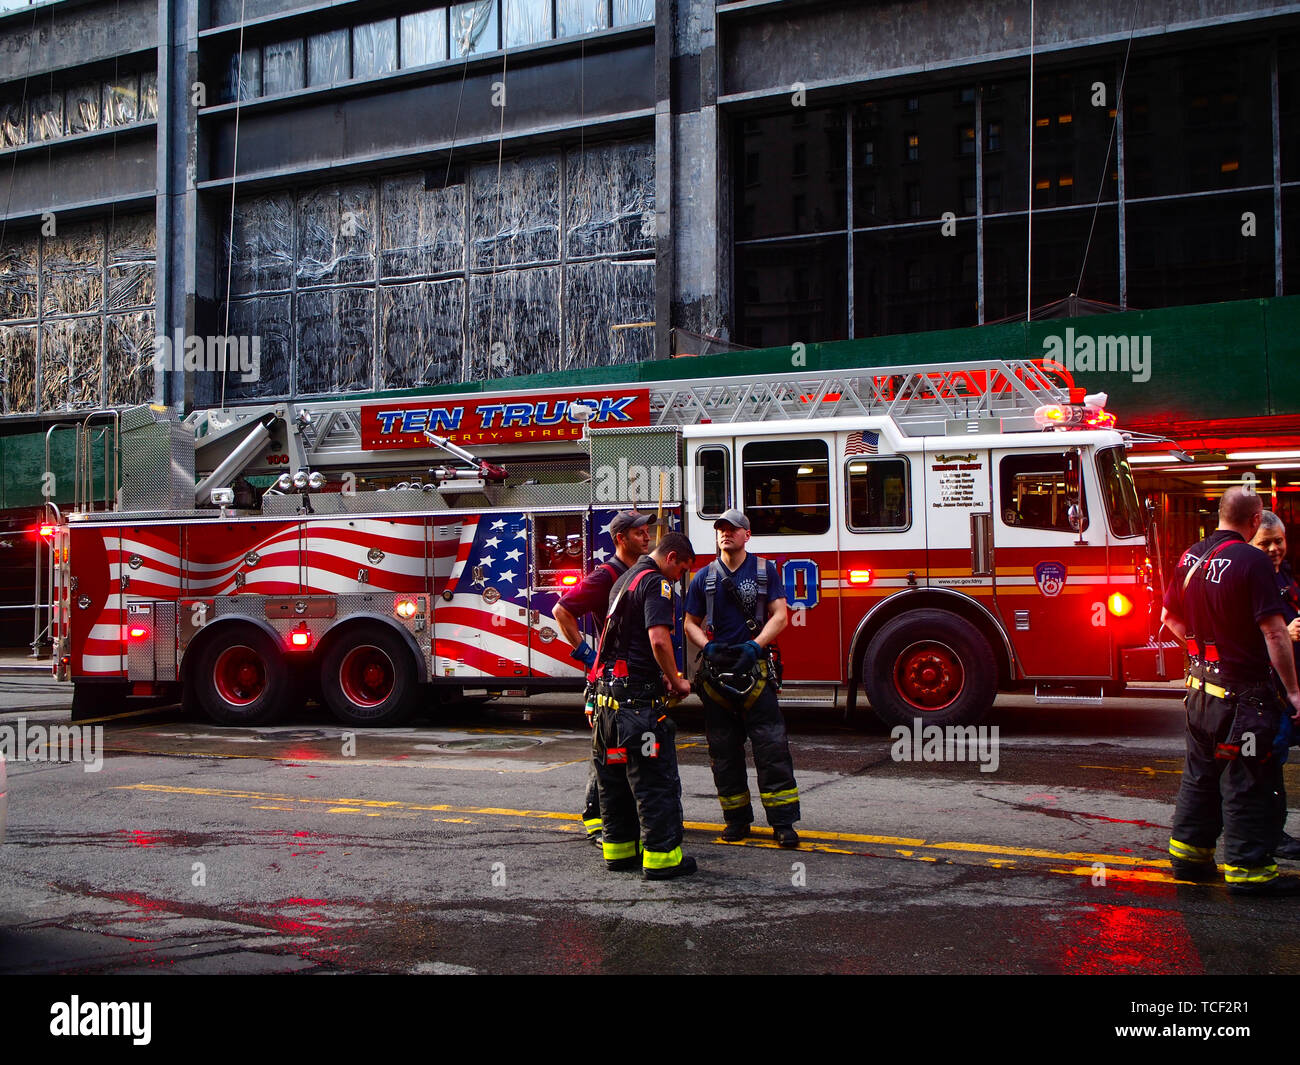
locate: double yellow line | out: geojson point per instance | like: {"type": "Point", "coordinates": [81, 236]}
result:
{"type": "Point", "coordinates": [1002, 856]}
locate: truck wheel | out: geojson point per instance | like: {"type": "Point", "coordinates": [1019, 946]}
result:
{"type": "Point", "coordinates": [367, 677]}
{"type": "Point", "coordinates": [240, 678]}
{"type": "Point", "coordinates": [931, 665]}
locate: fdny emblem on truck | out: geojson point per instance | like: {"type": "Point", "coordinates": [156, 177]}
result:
{"type": "Point", "coordinates": [1050, 577]}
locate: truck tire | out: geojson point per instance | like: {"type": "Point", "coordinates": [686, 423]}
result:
{"type": "Point", "coordinates": [368, 678]}
{"type": "Point", "coordinates": [932, 665]}
{"type": "Point", "coordinates": [240, 677]}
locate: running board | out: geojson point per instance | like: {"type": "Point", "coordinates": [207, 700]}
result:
{"type": "Point", "coordinates": [1050, 694]}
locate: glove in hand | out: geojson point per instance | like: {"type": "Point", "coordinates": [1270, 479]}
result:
{"type": "Point", "coordinates": [716, 652]}
{"type": "Point", "coordinates": [584, 653]}
{"type": "Point", "coordinates": [747, 656]}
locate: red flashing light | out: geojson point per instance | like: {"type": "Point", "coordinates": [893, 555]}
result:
{"type": "Point", "coordinates": [1119, 604]}
{"type": "Point", "coordinates": [300, 637]}
{"type": "Point", "coordinates": [137, 632]}
{"type": "Point", "coordinates": [45, 530]}
{"type": "Point", "coordinates": [860, 576]}
{"type": "Point", "coordinates": [569, 579]}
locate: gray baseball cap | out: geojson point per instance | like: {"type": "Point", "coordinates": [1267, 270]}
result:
{"type": "Point", "coordinates": [733, 517]}
{"type": "Point", "coordinates": [629, 519]}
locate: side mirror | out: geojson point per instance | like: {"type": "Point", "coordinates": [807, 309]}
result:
{"type": "Point", "coordinates": [1075, 514]}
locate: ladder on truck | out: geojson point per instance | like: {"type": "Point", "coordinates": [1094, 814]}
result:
{"type": "Point", "coordinates": [994, 395]}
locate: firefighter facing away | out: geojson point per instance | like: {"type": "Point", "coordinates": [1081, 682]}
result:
{"type": "Point", "coordinates": [631, 533]}
{"type": "Point", "coordinates": [735, 609]}
{"type": "Point", "coordinates": [634, 747]}
{"type": "Point", "coordinates": [1223, 601]}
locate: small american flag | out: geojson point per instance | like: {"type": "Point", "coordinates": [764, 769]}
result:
{"type": "Point", "coordinates": [861, 443]}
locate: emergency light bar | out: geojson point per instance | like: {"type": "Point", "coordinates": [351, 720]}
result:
{"type": "Point", "coordinates": [1090, 414]}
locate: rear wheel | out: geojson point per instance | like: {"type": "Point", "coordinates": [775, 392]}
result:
{"type": "Point", "coordinates": [240, 678]}
{"type": "Point", "coordinates": [931, 665]}
{"type": "Point", "coordinates": [367, 677]}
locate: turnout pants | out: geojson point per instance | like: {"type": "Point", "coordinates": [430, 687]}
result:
{"type": "Point", "coordinates": [634, 751]}
{"type": "Point", "coordinates": [727, 723]}
{"type": "Point", "coordinates": [1236, 796]}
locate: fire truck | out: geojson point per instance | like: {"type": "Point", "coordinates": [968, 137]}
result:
{"type": "Point", "coordinates": [943, 533]}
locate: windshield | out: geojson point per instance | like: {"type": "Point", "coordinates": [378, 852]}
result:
{"type": "Point", "coordinates": [1120, 493]}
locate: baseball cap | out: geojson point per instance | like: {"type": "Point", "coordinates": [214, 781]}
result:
{"type": "Point", "coordinates": [629, 519]}
{"type": "Point", "coordinates": [733, 517]}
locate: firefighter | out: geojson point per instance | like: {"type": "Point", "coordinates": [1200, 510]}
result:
{"type": "Point", "coordinates": [634, 746]}
{"type": "Point", "coordinates": [1223, 602]}
{"type": "Point", "coordinates": [735, 609]}
{"type": "Point", "coordinates": [1271, 539]}
{"type": "Point", "coordinates": [631, 533]}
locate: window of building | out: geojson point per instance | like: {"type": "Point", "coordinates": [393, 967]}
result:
{"type": "Point", "coordinates": [787, 487]}
{"type": "Point", "coordinates": [575, 17]}
{"type": "Point", "coordinates": [374, 48]}
{"type": "Point", "coordinates": [526, 22]}
{"type": "Point", "coordinates": [473, 28]}
{"type": "Point", "coordinates": [993, 137]}
{"type": "Point", "coordinates": [879, 494]}
{"type": "Point", "coordinates": [283, 67]}
{"type": "Point", "coordinates": [328, 59]}
{"type": "Point", "coordinates": [1035, 494]}
{"type": "Point", "coordinates": [912, 146]}
{"type": "Point", "coordinates": [424, 38]}
{"type": "Point", "coordinates": [713, 481]}
{"type": "Point", "coordinates": [965, 140]}
{"type": "Point", "coordinates": [799, 160]}
{"type": "Point", "coordinates": [630, 12]}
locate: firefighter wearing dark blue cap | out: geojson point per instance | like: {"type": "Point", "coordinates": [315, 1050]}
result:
{"type": "Point", "coordinates": [630, 531]}
{"type": "Point", "coordinates": [735, 609]}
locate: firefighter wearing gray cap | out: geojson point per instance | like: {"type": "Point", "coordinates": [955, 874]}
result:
{"type": "Point", "coordinates": [735, 609]}
{"type": "Point", "coordinates": [631, 533]}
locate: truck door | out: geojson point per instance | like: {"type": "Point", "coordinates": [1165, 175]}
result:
{"type": "Point", "coordinates": [1050, 542]}
{"type": "Point", "coordinates": [559, 548]}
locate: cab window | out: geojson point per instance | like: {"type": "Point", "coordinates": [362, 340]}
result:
{"type": "Point", "coordinates": [879, 494]}
{"type": "Point", "coordinates": [787, 487]}
{"type": "Point", "coordinates": [1034, 492]}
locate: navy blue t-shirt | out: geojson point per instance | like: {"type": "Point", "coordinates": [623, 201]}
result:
{"type": "Point", "coordinates": [1225, 601]}
{"type": "Point", "coordinates": [728, 622]}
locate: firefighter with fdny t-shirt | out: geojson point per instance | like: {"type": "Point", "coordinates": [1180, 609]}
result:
{"type": "Point", "coordinates": [745, 611]}
{"type": "Point", "coordinates": [631, 533]}
{"type": "Point", "coordinates": [1223, 602]}
{"type": "Point", "coordinates": [635, 744]}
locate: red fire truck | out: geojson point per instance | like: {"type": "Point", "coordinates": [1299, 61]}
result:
{"type": "Point", "coordinates": [943, 533]}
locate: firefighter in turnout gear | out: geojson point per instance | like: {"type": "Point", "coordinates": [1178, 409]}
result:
{"type": "Point", "coordinates": [1223, 602]}
{"type": "Point", "coordinates": [735, 609]}
{"type": "Point", "coordinates": [631, 533]}
{"type": "Point", "coordinates": [634, 746]}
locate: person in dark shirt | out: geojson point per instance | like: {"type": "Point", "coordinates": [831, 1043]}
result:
{"type": "Point", "coordinates": [631, 533]}
{"type": "Point", "coordinates": [634, 746]}
{"type": "Point", "coordinates": [1271, 539]}
{"type": "Point", "coordinates": [1223, 602]}
{"type": "Point", "coordinates": [736, 643]}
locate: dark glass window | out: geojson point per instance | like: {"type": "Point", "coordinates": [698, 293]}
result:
{"type": "Point", "coordinates": [776, 169]}
{"type": "Point", "coordinates": [879, 494]}
{"type": "Point", "coordinates": [1291, 242]}
{"type": "Point", "coordinates": [801, 288]}
{"type": "Point", "coordinates": [1288, 87]}
{"type": "Point", "coordinates": [1071, 137]}
{"type": "Point", "coordinates": [908, 280]}
{"type": "Point", "coordinates": [787, 487]}
{"type": "Point", "coordinates": [1195, 251]}
{"type": "Point", "coordinates": [558, 550]}
{"type": "Point", "coordinates": [1198, 121]}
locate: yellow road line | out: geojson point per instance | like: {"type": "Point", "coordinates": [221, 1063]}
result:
{"type": "Point", "coordinates": [1134, 769]}
{"type": "Point", "coordinates": [997, 854]}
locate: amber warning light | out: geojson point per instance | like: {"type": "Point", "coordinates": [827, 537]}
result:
{"type": "Point", "coordinates": [1090, 414]}
{"type": "Point", "coordinates": [405, 608]}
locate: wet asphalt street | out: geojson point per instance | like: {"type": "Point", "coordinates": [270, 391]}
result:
{"type": "Point", "coordinates": [454, 846]}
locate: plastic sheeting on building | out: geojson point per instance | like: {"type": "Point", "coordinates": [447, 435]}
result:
{"type": "Point", "coordinates": [551, 268]}
{"type": "Point", "coordinates": [46, 117]}
{"type": "Point", "coordinates": [13, 123]}
{"type": "Point", "coordinates": [69, 350]}
{"type": "Point", "coordinates": [473, 28]}
{"type": "Point", "coordinates": [526, 21]}
{"type": "Point", "coordinates": [82, 108]}
{"type": "Point", "coordinates": [424, 38]}
{"type": "Point", "coordinates": [283, 66]}
{"type": "Point", "coordinates": [121, 101]}
{"type": "Point", "coordinates": [327, 58]}
{"type": "Point", "coordinates": [149, 97]}
{"type": "Point", "coordinates": [374, 48]}
{"type": "Point", "coordinates": [574, 17]}
{"type": "Point", "coordinates": [627, 12]}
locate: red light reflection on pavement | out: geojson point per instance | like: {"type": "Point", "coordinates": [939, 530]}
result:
{"type": "Point", "coordinates": [1127, 939]}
